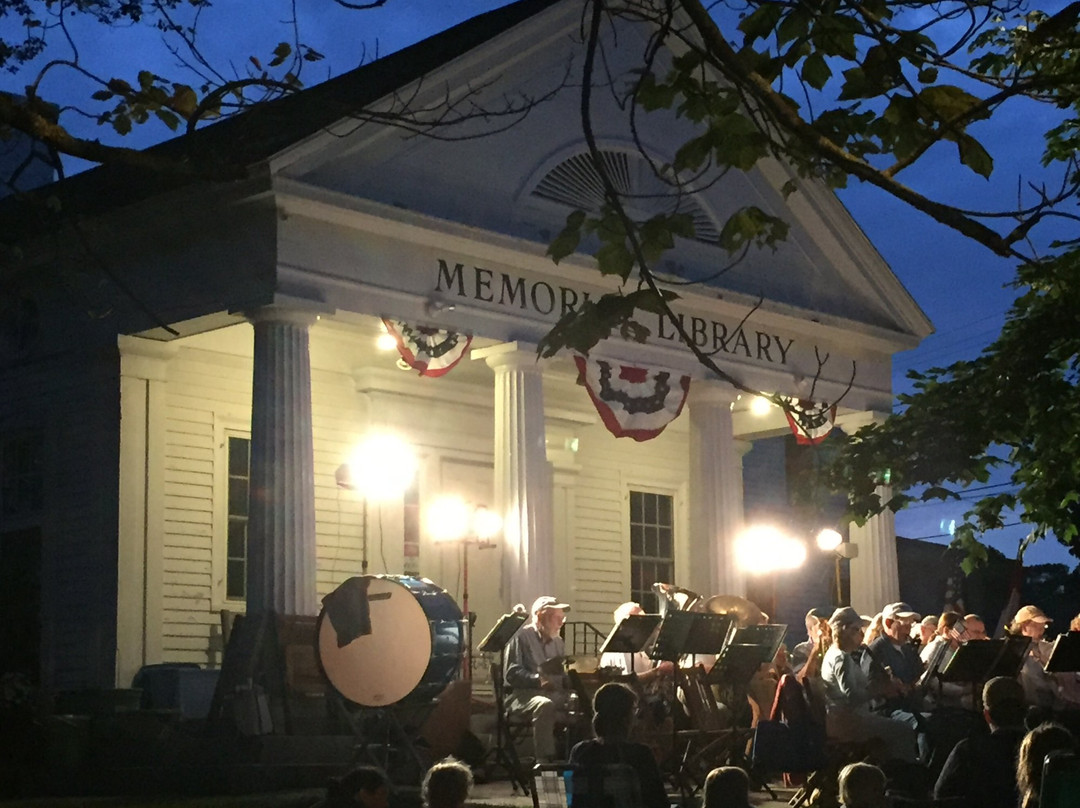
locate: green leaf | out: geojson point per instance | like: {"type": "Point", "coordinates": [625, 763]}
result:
{"type": "Point", "coordinates": [974, 156]}
{"type": "Point", "coordinates": [948, 102]}
{"type": "Point", "coordinates": [928, 75]}
{"type": "Point", "coordinates": [568, 239]}
{"type": "Point", "coordinates": [752, 225]}
{"type": "Point", "coordinates": [184, 100]}
{"type": "Point", "coordinates": [282, 52]}
{"type": "Point", "coordinates": [102, 95]}
{"type": "Point", "coordinates": [816, 71]}
{"type": "Point", "coordinates": [760, 24]}
{"type": "Point", "coordinates": [121, 123]}
{"type": "Point", "coordinates": [614, 258]}
{"type": "Point", "coordinates": [146, 79]}
{"type": "Point", "coordinates": [168, 118]}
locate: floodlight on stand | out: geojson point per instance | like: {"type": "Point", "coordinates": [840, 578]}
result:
{"type": "Point", "coordinates": [447, 519]}
{"type": "Point", "coordinates": [764, 549]}
{"type": "Point", "coordinates": [381, 468]}
{"type": "Point", "coordinates": [828, 540]}
{"type": "Point", "coordinates": [450, 519]}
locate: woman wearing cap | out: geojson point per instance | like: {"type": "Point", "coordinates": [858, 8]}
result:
{"type": "Point", "coordinates": [1040, 689]}
{"type": "Point", "coordinates": [847, 694]}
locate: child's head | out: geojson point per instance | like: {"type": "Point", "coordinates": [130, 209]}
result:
{"type": "Point", "coordinates": [447, 784]}
{"type": "Point", "coordinates": [862, 786]}
{"type": "Point", "coordinates": [727, 787]}
{"type": "Point", "coordinates": [363, 787]}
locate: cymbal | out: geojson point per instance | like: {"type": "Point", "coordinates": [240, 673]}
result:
{"type": "Point", "coordinates": [745, 611]}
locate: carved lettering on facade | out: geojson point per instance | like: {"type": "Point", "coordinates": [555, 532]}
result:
{"type": "Point", "coordinates": [514, 291]}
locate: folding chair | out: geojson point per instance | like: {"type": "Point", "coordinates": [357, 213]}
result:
{"type": "Point", "coordinates": [509, 730]}
{"type": "Point", "coordinates": [710, 741]}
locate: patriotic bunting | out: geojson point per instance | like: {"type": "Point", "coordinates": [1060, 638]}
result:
{"type": "Point", "coordinates": [633, 402]}
{"type": "Point", "coordinates": [430, 351]}
{"type": "Point", "coordinates": [810, 423]}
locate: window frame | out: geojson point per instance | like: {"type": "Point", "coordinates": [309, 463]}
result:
{"type": "Point", "coordinates": [677, 491]}
{"type": "Point", "coordinates": [225, 428]}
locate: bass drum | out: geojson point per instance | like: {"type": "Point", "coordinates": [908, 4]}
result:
{"type": "Point", "coordinates": [384, 639]}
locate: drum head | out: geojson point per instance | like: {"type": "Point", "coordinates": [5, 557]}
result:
{"type": "Point", "coordinates": [385, 666]}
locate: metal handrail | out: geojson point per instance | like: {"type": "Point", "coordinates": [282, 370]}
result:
{"type": "Point", "coordinates": [582, 637]}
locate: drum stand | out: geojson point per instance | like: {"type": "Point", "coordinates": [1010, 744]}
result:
{"type": "Point", "coordinates": [384, 740]}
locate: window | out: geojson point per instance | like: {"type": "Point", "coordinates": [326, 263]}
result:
{"type": "Point", "coordinates": [652, 541]}
{"type": "Point", "coordinates": [239, 484]}
{"type": "Point", "coordinates": [21, 477]}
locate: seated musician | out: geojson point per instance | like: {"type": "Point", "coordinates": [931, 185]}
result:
{"type": "Point", "coordinates": [847, 694]}
{"type": "Point", "coordinates": [937, 654]}
{"type": "Point", "coordinates": [611, 769]}
{"type": "Point", "coordinates": [638, 663]}
{"type": "Point", "coordinates": [893, 666]}
{"type": "Point", "coordinates": [816, 619]}
{"type": "Point", "coordinates": [1040, 687]}
{"type": "Point", "coordinates": [540, 693]}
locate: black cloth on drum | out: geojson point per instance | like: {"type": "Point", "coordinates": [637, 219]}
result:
{"type": "Point", "coordinates": [348, 609]}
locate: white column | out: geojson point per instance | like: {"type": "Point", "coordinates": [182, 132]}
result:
{"type": "Point", "coordinates": [140, 531]}
{"type": "Point", "coordinates": [875, 578]}
{"type": "Point", "coordinates": [281, 517]}
{"type": "Point", "coordinates": [716, 491]}
{"type": "Point", "coordinates": [523, 476]}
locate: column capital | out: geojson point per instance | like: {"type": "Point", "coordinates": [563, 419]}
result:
{"type": "Point", "coordinates": [288, 315]}
{"type": "Point", "coordinates": [707, 392]}
{"type": "Point", "coordinates": [511, 356]}
{"type": "Point", "coordinates": [851, 422]}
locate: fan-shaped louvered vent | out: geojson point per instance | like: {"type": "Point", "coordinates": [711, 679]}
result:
{"type": "Point", "coordinates": [576, 183]}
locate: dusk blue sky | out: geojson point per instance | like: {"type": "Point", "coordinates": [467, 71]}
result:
{"type": "Point", "coordinates": [957, 282]}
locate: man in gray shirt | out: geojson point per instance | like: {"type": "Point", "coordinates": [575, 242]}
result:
{"type": "Point", "coordinates": [532, 689]}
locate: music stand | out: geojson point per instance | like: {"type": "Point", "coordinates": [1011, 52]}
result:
{"type": "Point", "coordinates": [504, 751]}
{"type": "Point", "coordinates": [505, 628]}
{"type": "Point", "coordinates": [691, 633]}
{"type": "Point", "coordinates": [971, 665]}
{"type": "Point", "coordinates": [1011, 659]}
{"type": "Point", "coordinates": [631, 635]}
{"type": "Point", "coordinates": [1065, 655]}
{"type": "Point", "coordinates": [770, 636]}
{"type": "Point", "coordinates": [749, 649]}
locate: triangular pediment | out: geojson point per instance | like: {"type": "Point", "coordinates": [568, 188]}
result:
{"type": "Point", "coordinates": [513, 163]}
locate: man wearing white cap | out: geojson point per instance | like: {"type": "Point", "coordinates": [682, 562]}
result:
{"type": "Point", "coordinates": [533, 688]}
{"type": "Point", "coordinates": [893, 667]}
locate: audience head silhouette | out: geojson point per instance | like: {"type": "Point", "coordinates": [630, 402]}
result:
{"type": "Point", "coordinates": [862, 786]}
{"type": "Point", "coordinates": [1037, 744]}
{"type": "Point", "coordinates": [727, 787]}
{"type": "Point", "coordinates": [613, 711]}
{"type": "Point", "coordinates": [447, 784]}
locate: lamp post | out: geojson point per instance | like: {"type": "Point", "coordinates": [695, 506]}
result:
{"type": "Point", "coordinates": [379, 469]}
{"type": "Point", "coordinates": [830, 541]}
{"type": "Point", "coordinates": [765, 550]}
{"type": "Point", "coordinates": [450, 519]}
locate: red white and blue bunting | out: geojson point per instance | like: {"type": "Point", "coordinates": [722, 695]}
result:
{"type": "Point", "coordinates": [810, 422]}
{"type": "Point", "coordinates": [633, 402]}
{"type": "Point", "coordinates": [429, 351]}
